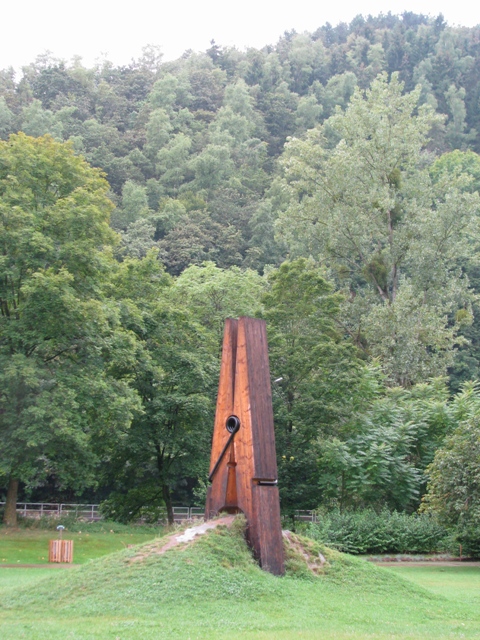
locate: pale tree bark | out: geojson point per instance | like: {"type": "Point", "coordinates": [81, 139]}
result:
{"type": "Point", "coordinates": [10, 515]}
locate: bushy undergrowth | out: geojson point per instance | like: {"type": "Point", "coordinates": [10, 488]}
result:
{"type": "Point", "coordinates": [469, 538]}
{"type": "Point", "coordinates": [366, 531]}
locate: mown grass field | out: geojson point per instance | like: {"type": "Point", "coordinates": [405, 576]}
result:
{"type": "Point", "coordinates": [30, 546]}
{"type": "Point", "coordinates": [213, 589]}
{"type": "Point", "coordinates": [459, 584]}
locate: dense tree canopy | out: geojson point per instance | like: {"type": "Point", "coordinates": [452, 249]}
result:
{"type": "Point", "coordinates": [453, 489]}
{"type": "Point", "coordinates": [319, 379]}
{"type": "Point", "coordinates": [172, 373]}
{"type": "Point", "coordinates": [57, 335]}
{"type": "Point", "coordinates": [362, 201]}
{"type": "Point", "coordinates": [328, 183]}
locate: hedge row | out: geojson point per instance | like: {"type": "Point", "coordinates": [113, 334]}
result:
{"type": "Point", "coordinates": [368, 532]}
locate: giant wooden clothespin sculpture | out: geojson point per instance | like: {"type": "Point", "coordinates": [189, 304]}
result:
{"type": "Point", "coordinates": [243, 467]}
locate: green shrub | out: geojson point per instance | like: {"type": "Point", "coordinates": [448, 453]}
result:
{"type": "Point", "coordinates": [366, 531]}
{"type": "Point", "coordinates": [139, 503]}
{"type": "Point", "coordinates": [469, 538]}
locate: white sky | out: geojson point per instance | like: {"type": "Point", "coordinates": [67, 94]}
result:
{"type": "Point", "coordinates": [90, 28]}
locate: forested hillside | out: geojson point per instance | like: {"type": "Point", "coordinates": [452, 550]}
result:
{"type": "Point", "coordinates": [189, 147]}
{"type": "Point", "coordinates": [328, 183]}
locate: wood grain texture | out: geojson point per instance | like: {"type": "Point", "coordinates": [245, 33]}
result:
{"type": "Point", "coordinates": [217, 491]}
{"type": "Point", "coordinates": [60, 551]}
{"type": "Point", "coordinates": [260, 396]}
{"type": "Point", "coordinates": [244, 391]}
{"type": "Point", "coordinates": [265, 529]}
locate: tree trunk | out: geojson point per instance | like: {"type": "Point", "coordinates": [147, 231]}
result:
{"type": "Point", "coordinates": [10, 515]}
{"type": "Point", "coordinates": [168, 503]}
{"type": "Point", "coordinates": [294, 522]}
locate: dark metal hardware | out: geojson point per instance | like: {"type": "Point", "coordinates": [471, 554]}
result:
{"type": "Point", "coordinates": [233, 425]}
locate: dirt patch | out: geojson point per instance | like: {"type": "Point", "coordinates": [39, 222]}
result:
{"type": "Point", "coordinates": [314, 560]}
{"type": "Point", "coordinates": [181, 539]}
{"type": "Point", "coordinates": [439, 559]}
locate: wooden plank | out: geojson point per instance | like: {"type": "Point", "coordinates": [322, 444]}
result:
{"type": "Point", "coordinates": [265, 531]}
{"type": "Point", "coordinates": [60, 551]}
{"type": "Point", "coordinates": [225, 389]}
{"type": "Point", "coordinates": [244, 391]}
{"type": "Point", "coordinates": [260, 395]}
{"type": "Point", "coordinates": [52, 550]}
{"type": "Point", "coordinates": [243, 439]}
{"type": "Point", "coordinates": [217, 490]}
{"type": "Point", "coordinates": [231, 494]}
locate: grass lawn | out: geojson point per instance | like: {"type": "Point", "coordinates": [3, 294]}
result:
{"type": "Point", "coordinates": [30, 546]}
{"type": "Point", "coordinates": [459, 584]}
{"type": "Point", "coordinates": [213, 589]}
{"type": "Point", "coordinates": [12, 578]}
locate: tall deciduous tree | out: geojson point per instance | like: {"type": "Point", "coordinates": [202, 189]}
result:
{"type": "Point", "coordinates": [318, 377]}
{"type": "Point", "coordinates": [57, 336]}
{"type": "Point", "coordinates": [453, 493]}
{"type": "Point", "coordinates": [364, 202]}
{"type": "Point", "coordinates": [173, 373]}
{"type": "Point", "coordinates": [213, 294]}
{"type": "Point", "coordinates": [448, 168]}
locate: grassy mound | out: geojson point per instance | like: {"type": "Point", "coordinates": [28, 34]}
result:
{"type": "Point", "coordinates": [212, 588]}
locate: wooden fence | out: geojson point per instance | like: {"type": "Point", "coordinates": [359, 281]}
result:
{"type": "Point", "coordinates": [40, 509]}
